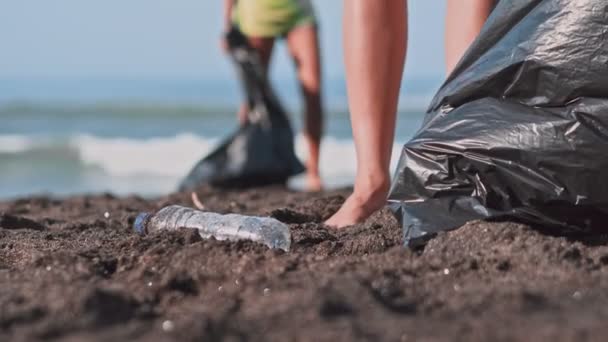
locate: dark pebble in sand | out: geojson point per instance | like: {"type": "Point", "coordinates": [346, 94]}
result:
{"type": "Point", "coordinates": [181, 282]}
{"type": "Point", "coordinates": [107, 307]}
{"type": "Point", "coordinates": [286, 215]}
{"type": "Point", "coordinates": [17, 222]}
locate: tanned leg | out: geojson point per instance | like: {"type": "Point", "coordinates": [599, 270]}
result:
{"type": "Point", "coordinates": [303, 43]}
{"type": "Point", "coordinates": [375, 34]}
{"type": "Point", "coordinates": [264, 46]}
{"type": "Point", "coordinates": [464, 20]}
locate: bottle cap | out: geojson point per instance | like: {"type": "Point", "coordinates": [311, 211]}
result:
{"type": "Point", "coordinates": [140, 223]}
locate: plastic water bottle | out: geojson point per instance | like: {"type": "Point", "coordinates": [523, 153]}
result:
{"type": "Point", "coordinates": [266, 230]}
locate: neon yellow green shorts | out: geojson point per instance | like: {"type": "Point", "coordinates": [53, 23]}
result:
{"type": "Point", "coordinates": [272, 18]}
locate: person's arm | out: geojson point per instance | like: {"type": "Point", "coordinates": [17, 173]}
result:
{"type": "Point", "coordinates": [375, 34]}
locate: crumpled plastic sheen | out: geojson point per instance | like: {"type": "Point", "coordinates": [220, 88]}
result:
{"type": "Point", "coordinates": [519, 129]}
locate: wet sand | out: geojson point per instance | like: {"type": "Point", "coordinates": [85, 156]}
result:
{"type": "Point", "coordinates": [69, 273]}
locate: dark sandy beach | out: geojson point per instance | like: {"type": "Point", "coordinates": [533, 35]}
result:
{"type": "Point", "coordinates": [74, 275]}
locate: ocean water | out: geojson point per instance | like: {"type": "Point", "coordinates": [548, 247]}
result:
{"type": "Point", "coordinates": [141, 137]}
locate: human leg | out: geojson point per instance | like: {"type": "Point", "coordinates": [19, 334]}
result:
{"type": "Point", "coordinates": [303, 44]}
{"type": "Point", "coordinates": [464, 20]}
{"type": "Point", "coordinates": [264, 46]}
{"type": "Point", "coordinates": [375, 34]}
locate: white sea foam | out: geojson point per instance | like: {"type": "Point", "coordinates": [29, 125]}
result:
{"type": "Point", "coordinates": [170, 158]}
{"type": "Point", "coordinates": [338, 160]}
{"type": "Point", "coordinates": [14, 143]}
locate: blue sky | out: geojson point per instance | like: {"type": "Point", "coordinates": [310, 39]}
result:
{"type": "Point", "coordinates": [169, 39]}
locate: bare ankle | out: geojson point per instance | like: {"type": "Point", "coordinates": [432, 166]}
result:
{"type": "Point", "coordinates": [368, 196]}
{"type": "Point", "coordinates": [372, 187]}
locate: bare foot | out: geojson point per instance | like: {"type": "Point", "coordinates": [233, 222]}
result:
{"type": "Point", "coordinates": [313, 183]}
{"type": "Point", "coordinates": [364, 201]}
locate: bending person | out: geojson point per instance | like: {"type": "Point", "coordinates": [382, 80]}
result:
{"type": "Point", "coordinates": [375, 34]}
{"type": "Point", "coordinates": [262, 22]}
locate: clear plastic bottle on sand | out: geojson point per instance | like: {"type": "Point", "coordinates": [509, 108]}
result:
{"type": "Point", "coordinates": [266, 230]}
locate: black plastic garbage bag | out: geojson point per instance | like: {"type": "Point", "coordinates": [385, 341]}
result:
{"type": "Point", "coordinates": [261, 152]}
{"type": "Point", "coordinates": [519, 129]}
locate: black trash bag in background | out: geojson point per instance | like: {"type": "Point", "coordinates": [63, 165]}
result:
{"type": "Point", "coordinates": [262, 151]}
{"type": "Point", "coordinates": [519, 129]}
